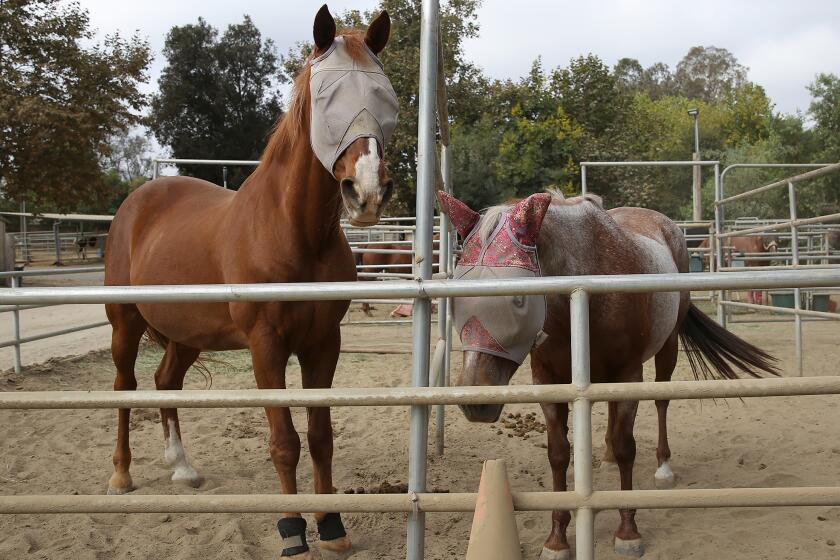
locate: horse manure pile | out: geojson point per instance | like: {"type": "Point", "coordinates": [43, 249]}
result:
{"type": "Point", "coordinates": [388, 488]}
{"type": "Point", "coordinates": [523, 426]}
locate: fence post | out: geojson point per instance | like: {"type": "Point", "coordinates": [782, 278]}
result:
{"type": "Point", "coordinates": [442, 379]}
{"type": "Point", "coordinates": [718, 256]}
{"type": "Point", "coordinates": [421, 322]}
{"type": "Point", "coordinates": [582, 179]}
{"type": "Point", "coordinates": [16, 328]}
{"type": "Point", "coordinates": [582, 419]}
{"type": "Point", "coordinates": [57, 236]}
{"type": "Point", "coordinates": [797, 292]}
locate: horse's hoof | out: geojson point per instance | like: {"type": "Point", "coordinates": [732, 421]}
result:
{"type": "Point", "coordinates": [187, 476]}
{"type": "Point", "coordinates": [339, 548]}
{"type": "Point", "coordinates": [664, 478]}
{"type": "Point", "coordinates": [112, 491]}
{"type": "Point", "coordinates": [548, 554]}
{"type": "Point", "coordinates": [631, 549]}
{"type": "Point", "coordinates": [119, 484]}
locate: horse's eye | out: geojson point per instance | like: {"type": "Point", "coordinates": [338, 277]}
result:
{"type": "Point", "coordinates": [519, 301]}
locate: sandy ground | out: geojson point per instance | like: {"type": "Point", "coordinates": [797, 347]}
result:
{"type": "Point", "coordinates": [49, 319]}
{"type": "Point", "coordinates": [761, 442]}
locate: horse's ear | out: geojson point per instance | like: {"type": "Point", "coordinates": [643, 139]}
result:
{"type": "Point", "coordinates": [526, 218]}
{"type": "Point", "coordinates": [323, 32]}
{"type": "Point", "coordinates": [463, 217]}
{"type": "Point", "coordinates": [378, 32]}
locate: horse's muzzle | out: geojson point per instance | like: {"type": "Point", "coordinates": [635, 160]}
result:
{"type": "Point", "coordinates": [485, 413]}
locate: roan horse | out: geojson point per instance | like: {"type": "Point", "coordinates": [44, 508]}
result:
{"type": "Point", "coordinates": [281, 226]}
{"type": "Point", "coordinates": [578, 237]}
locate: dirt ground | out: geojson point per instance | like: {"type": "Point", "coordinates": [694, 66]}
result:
{"type": "Point", "coordinates": [760, 442]}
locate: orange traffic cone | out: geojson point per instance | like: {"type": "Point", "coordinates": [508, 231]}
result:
{"type": "Point", "coordinates": [494, 535]}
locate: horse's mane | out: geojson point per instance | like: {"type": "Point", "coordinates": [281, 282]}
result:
{"type": "Point", "coordinates": [493, 214]}
{"type": "Point", "coordinates": [294, 123]}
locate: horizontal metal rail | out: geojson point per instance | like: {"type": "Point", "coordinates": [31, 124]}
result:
{"type": "Point", "coordinates": [50, 271]}
{"type": "Point", "coordinates": [42, 336]}
{"type": "Point", "coordinates": [428, 502]}
{"type": "Point", "coordinates": [705, 163]}
{"type": "Point", "coordinates": [320, 291]}
{"type": "Point", "coordinates": [783, 183]}
{"type": "Point", "coordinates": [785, 310]}
{"type": "Point", "coordinates": [407, 396]}
{"type": "Point", "coordinates": [177, 161]}
{"type": "Point", "coordinates": [782, 225]}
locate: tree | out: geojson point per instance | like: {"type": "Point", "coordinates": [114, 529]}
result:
{"type": "Point", "coordinates": [61, 102]}
{"type": "Point", "coordinates": [825, 110]}
{"type": "Point", "coordinates": [589, 94]}
{"type": "Point", "coordinates": [129, 157]}
{"type": "Point", "coordinates": [709, 73]}
{"type": "Point", "coordinates": [218, 95]}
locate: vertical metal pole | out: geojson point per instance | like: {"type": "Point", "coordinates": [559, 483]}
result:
{"type": "Point", "coordinates": [16, 328]}
{"type": "Point", "coordinates": [26, 257]}
{"type": "Point", "coordinates": [155, 169]}
{"type": "Point", "coordinates": [697, 210]}
{"type": "Point", "coordinates": [443, 306]}
{"type": "Point", "coordinates": [421, 323]}
{"type": "Point", "coordinates": [582, 180]}
{"type": "Point", "coordinates": [719, 217]}
{"type": "Point", "coordinates": [797, 292]}
{"type": "Point", "coordinates": [224, 176]}
{"type": "Point", "coordinates": [582, 418]}
{"type": "Point", "coordinates": [57, 236]}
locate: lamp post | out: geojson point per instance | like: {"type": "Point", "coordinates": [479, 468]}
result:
{"type": "Point", "coordinates": [697, 211]}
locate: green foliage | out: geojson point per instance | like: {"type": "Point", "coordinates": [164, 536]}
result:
{"type": "Point", "coordinates": [218, 97]}
{"type": "Point", "coordinates": [61, 102]}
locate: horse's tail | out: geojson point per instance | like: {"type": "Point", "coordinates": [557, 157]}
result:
{"type": "Point", "coordinates": [712, 350]}
{"type": "Point", "coordinates": [161, 340]}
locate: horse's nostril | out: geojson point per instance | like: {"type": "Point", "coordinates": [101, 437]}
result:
{"type": "Point", "coordinates": [348, 189]}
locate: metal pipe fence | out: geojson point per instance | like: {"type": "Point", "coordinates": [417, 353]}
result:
{"type": "Point", "coordinates": [584, 499]}
{"type": "Point", "coordinates": [794, 224]}
{"type": "Point", "coordinates": [17, 340]}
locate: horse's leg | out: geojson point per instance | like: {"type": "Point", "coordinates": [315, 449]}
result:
{"type": "Point", "coordinates": [366, 309]}
{"type": "Point", "coordinates": [666, 361]}
{"type": "Point", "coordinates": [128, 328]}
{"type": "Point", "coordinates": [556, 547]}
{"type": "Point", "coordinates": [170, 376]}
{"type": "Point", "coordinates": [317, 370]}
{"type": "Point", "coordinates": [628, 541]}
{"type": "Point", "coordinates": [270, 356]}
{"type": "Point", "coordinates": [609, 456]}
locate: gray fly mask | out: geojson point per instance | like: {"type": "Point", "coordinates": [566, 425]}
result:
{"type": "Point", "coordinates": [350, 100]}
{"type": "Point", "coordinates": [504, 326]}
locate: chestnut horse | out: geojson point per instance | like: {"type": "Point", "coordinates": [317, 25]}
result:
{"type": "Point", "coordinates": [281, 226]}
{"type": "Point", "coordinates": [734, 247]}
{"type": "Point", "coordinates": [578, 237]}
{"type": "Point", "coordinates": [384, 263]}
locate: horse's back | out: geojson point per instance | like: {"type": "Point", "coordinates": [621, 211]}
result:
{"type": "Point", "coordinates": [655, 226]}
{"type": "Point", "coordinates": [160, 220]}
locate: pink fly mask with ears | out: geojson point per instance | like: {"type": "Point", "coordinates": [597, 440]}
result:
{"type": "Point", "coordinates": [504, 326]}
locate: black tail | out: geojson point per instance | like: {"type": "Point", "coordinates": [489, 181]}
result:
{"type": "Point", "coordinates": [200, 364]}
{"type": "Point", "coordinates": [712, 350]}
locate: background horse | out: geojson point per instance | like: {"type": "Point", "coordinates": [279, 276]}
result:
{"type": "Point", "coordinates": [733, 247]}
{"type": "Point", "coordinates": [578, 237]}
{"type": "Point", "coordinates": [399, 263]}
{"type": "Point", "coordinates": [281, 226]}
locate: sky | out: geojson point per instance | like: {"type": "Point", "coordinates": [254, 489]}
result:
{"type": "Point", "coordinates": [783, 43]}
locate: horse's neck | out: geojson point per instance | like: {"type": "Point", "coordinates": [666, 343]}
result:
{"type": "Point", "coordinates": [292, 197]}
